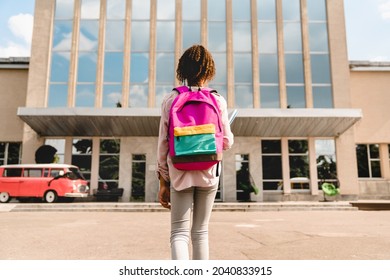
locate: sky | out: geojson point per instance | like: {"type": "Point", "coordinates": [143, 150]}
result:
{"type": "Point", "coordinates": [367, 26]}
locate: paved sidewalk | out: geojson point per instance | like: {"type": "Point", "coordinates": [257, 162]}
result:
{"type": "Point", "coordinates": [282, 235]}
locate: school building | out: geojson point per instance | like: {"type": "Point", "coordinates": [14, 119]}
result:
{"type": "Point", "coordinates": [99, 69]}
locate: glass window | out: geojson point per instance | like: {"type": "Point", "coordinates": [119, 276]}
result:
{"type": "Point", "coordinates": [13, 172]}
{"type": "Point", "coordinates": [109, 161]}
{"type": "Point", "coordinates": [242, 37]}
{"type": "Point", "coordinates": [243, 96]}
{"type": "Point", "coordinates": [58, 96]}
{"type": "Point", "coordinates": [10, 153]}
{"type": "Point", "coordinates": [165, 71]}
{"type": "Point", "coordinates": [241, 10]}
{"type": "Point", "coordinates": [316, 9]}
{"type": "Point", "coordinates": [138, 97]}
{"type": "Point", "coordinates": [291, 10]}
{"type": "Point", "coordinates": [320, 68]}
{"type": "Point", "coordinates": [115, 32]}
{"type": "Point", "coordinates": [217, 36]}
{"type": "Point", "coordinates": [86, 68]}
{"type": "Point", "coordinates": [89, 33]}
{"type": "Point", "coordinates": [59, 145]}
{"type": "Point", "coordinates": [220, 65]}
{"type": "Point", "coordinates": [32, 172]}
{"type": "Point", "coordinates": [269, 69]}
{"type": "Point", "coordinates": [296, 97]}
{"type": "Point", "coordinates": [62, 35]}
{"type": "Point", "coordinates": [191, 10]}
{"type": "Point", "coordinates": [216, 10]}
{"type": "Point", "coordinates": [82, 155]}
{"type": "Point", "coordinates": [140, 36]}
{"type": "Point", "coordinates": [90, 9]}
{"type": "Point", "coordinates": [191, 33]}
{"type": "Point", "coordinates": [326, 161]}
{"type": "Point", "coordinates": [139, 69]}
{"type": "Point", "coordinates": [60, 67]}
{"type": "Point", "coordinates": [272, 165]}
{"type": "Point", "coordinates": [113, 67]}
{"type": "Point", "coordinates": [292, 37]}
{"type": "Point", "coordinates": [368, 160]}
{"type": "Point", "coordinates": [161, 91]}
{"type": "Point", "coordinates": [85, 95]}
{"type": "Point", "coordinates": [294, 68]}
{"type": "Point", "coordinates": [140, 9]}
{"type": "Point", "coordinates": [266, 10]}
{"type": "Point", "coordinates": [322, 97]}
{"type": "Point", "coordinates": [299, 164]}
{"type": "Point", "coordinates": [165, 36]}
{"type": "Point", "coordinates": [267, 37]}
{"type": "Point", "coordinates": [244, 186]}
{"type": "Point", "coordinates": [318, 37]}
{"type": "Point", "coordinates": [165, 9]}
{"type": "Point", "coordinates": [112, 96]}
{"type": "Point", "coordinates": [138, 178]}
{"type": "Point", "coordinates": [116, 9]}
{"type": "Point", "coordinates": [269, 96]}
{"type": "Point", "coordinates": [242, 73]}
{"type": "Point", "coordinates": [64, 9]}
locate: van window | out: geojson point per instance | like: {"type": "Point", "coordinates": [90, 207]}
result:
{"type": "Point", "coordinates": [55, 172]}
{"type": "Point", "coordinates": [32, 172]}
{"type": "Point", "coordinates": [13, 172]}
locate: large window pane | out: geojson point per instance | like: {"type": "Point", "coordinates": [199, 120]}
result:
{"type": "Point", "coordinates": [216, 10]}
{"type": "Point", "coordinates": [116, 9]}
{"type": "Point", "coordinates": [90, 9]}
{"type": "Point", "coordinates": [191, 33]}
{"type": "Point", "coordinates": [62, 35]}
{"type": "Point", "coordinates": [166, 9]}
{"type": "Point", "coordinates": [64, 9]}
{"type": "Point", "coordinates": [272, 165]}
{"type": "Point", "coordinates": [266, 10]}
{"type": "Point", "coordinates": [85, 95]}
{"type": "Point", "coordinates": [165, 36]}
{"type": "Point", "coordinates": [140, 9]}
{"type": "Point", "coordinates": [115, 32]}
{"type": "Point", "coordinates": [296, 97]}
{"type": "Point", "coordinates": [241, 10]}
{"type": "Point", "coordinates": [267, 37]}
{"type": "Point", "coordinates": [269, 97]}
{"type": "Point", "coordinates": [243, 96]}
{"type": "Point", "coordinates": [294, 68]}
{"type": "Point", "coordinates": [269, 70]}
{"type": "Point", "coordinates": [60, 67]}
{"type": "Point", "coordinates": [217, 36]}
{"type": "Point", "coordinates": [291, 9]}
{"type": "Point", "coordinates": [139, 68]}
{"type": "Point", "coordinates": [316, 9]}
{"type": "Point", "coordinates": [138, 178]}
{"type": "Point", "coordinates": [113, 66]}
{"type": "Point", "coordinates": [191, 9]}
{"type": "Point", "coordinates": [58, 96]}
{"type": "Point", "coordinates": [112, 96]}
{"type": "Point", "coordinates": [322, 97]}
{"type": "Point", "coordinates": [86, 71]}
{"type": "Point", "coordinates": [320, 68]}
{"type": "Point", "coordinates": [140, 36]}
{"type": "Point", "coordinates": [165, 68]}
{"type": "Point", "coordinates": [326, 161]}
{"type": "Point", "coordinates": [242, 68]}
{"type": "Point", "coordinates": [318, 37]}
{"type": "Point", "coordinates": [138, 97]}
{"type": "Point", "coordinates": [242, 37]}
{"type": "Point", "coordinates": [220, 65]}
{"type": "Point", "coordinates": [109, 161]}
{"type": "Point", "coordinates": [292, 37]}
{"type": "Point", "coordinates": [89, 31]}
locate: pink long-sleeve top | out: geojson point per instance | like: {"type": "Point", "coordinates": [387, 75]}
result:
{"type": "Point", "coordinates": [179, 179]}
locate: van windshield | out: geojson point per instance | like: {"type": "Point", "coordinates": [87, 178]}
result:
{"type": "Point", "coordinates": [75, 174]}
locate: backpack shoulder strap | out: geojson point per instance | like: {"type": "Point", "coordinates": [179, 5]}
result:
{"type": "Point", "coordinates": [181, 89]}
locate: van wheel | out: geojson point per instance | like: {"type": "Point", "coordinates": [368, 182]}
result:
{"type": "Point", "coordinates": [50, 197]}
{"type": "Point", "coordinates": [4, 197]}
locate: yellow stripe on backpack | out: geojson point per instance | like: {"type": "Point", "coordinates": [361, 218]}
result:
{"type": "Point", "coordinates": [196, 129]}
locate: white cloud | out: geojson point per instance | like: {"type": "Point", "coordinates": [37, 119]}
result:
{"type": "Point", "coordinates": [21, 26]}
{"type": "Point", "coordinates": [384, 10]}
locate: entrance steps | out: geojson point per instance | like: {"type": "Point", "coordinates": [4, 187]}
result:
{"type": "Point", "coordinates": [155, 207]}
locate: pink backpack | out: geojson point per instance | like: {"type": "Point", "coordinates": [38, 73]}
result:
{"type": "Point", "coordinates": [195, 129]}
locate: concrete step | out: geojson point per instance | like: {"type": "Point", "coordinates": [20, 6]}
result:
{"type": "Point", "coordinates": [155, 207]}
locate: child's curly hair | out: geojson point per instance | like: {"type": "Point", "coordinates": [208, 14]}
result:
{"type": "Point", "coordinates": [196, 65]}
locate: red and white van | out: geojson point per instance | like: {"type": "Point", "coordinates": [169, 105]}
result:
{"type": "Point", "coordinates": [47, 181]}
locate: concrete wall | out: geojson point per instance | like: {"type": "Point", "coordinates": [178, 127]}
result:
{"type": "Point", "coordinates": [13, 95]}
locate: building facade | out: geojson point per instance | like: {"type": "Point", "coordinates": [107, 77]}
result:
{"type": "Point", "coordinates": [99, 70]}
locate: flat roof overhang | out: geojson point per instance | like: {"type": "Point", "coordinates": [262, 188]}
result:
{"type": "Point", "coordinates": [122, 122]}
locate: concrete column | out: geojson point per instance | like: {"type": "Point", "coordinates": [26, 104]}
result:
{"type": "Point", "coordinates": [255, 56]}
{"type": "Point", "coordinates": [313, 166]}
{"type": "Point", "coordinates": [282, 64]}
{"type": "Point", "coordinates": [229, 54]}
{"type": "Point", "coordinates": [152, 54]}
{"type": "Point", "coordinates": [385, 160]}
{"type": "Point", "coordinates": [126, 57]}
{"type": "Point", "coordinates": [285, 167]}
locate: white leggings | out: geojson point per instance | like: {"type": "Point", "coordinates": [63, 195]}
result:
{"type": "Point", "coordinates": [201, 201]}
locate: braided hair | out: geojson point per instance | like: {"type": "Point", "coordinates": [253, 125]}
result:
{"type": "Point", "coordinates": [196, 65]}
